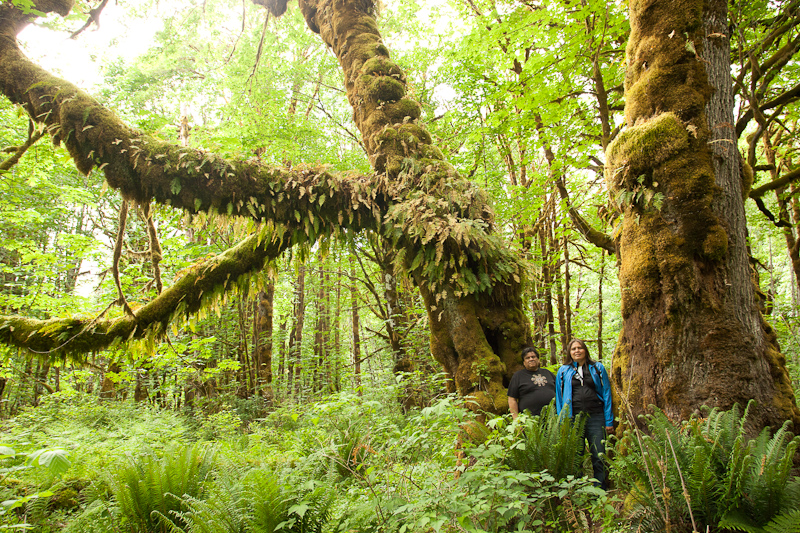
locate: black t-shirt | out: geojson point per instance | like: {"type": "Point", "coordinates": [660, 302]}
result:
{"type": "Point", "coordinates": [584, 394]}
{"type": "Point", "coordinates": [533, 390]}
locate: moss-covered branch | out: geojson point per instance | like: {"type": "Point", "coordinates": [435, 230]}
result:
{"type": "Point", "coordinates": [144, 168]}
{"type": "Point", "coordinates": [441, 220]}
{"type": "Point", "coordinates": [775, 184]}
{"type": "Point", "coordinates": [202, 282]}
{"type": "Point", "coordinates": [444, 227]}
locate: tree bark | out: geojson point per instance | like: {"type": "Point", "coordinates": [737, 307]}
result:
{"type": "Point", "coordinates": [264, 325]}
{"type": "Point", "coordinates": [294, 354]}
{"type": "Point", "coordinates": [321, 374]}
{"type": "Point", "coordinates": [692, 331]}
{"type": "Point", "coordinates": [356, 328]}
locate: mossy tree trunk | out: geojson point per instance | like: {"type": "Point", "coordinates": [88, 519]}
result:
{"type": "Point", "coordinates": [692, 331]}
{"type": "Point", "coordinates": [263, 349]}
{"type": "Point", "coordinates": [475, 336]}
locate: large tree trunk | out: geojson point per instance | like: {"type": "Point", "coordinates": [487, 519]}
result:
{"type": "Point", "coordinates": [476, 335]}
{"type": "Point", "coordinates": [692, 331]}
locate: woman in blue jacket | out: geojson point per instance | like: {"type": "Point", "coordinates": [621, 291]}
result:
{"type": "Point", "coordinates": [582, 386]}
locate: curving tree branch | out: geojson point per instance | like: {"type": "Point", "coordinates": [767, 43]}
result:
{"type": "Point", "coordinates": [19, 151]}
{"type": "Point", "coordinates": [441, 225]}
{"type": "Point", "coordinates": [203, 281]}
{"type": "Point", "coordinates": [783, 181]}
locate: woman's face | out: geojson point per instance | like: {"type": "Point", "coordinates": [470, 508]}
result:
{"type": "Point", "coordinates": [578, 353]}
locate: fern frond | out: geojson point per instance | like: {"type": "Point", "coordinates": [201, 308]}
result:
{"type": "Point", "coordinates": [738, 522]}
{"type": "Point", "coordinates": [786, 522]}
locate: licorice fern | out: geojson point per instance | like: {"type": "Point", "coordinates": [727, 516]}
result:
{"type": "Point", "coordinates": [257, 502]}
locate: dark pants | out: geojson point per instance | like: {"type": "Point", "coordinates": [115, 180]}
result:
{"type": "Point", "coordinates": [594, 434]}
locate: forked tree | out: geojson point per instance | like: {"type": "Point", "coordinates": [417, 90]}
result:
{"type": "Point", "coordinates": [692, 330]}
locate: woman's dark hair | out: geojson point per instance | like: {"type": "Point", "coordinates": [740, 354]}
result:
{"type": "Point", "coordinates": [568, 359]}
{"type": "Point", "coordinates": [529, 349]}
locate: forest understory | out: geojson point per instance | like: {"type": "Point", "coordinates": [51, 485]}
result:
{"type": "Point", "coordinates": [268, 266]}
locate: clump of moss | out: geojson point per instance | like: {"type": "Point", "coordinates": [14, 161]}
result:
{"type": "Point", "coordinates": [383, 88]}
{"type": "Point", "coordinates": [748, 176]}
{"type": "Point", "coordinates": [661, 89]}
{"type": "Point", "coordinates": [715, 246]}
{"type": "Point", "coordinates": [639, 272]}
{"type": "Point", "coordinates": [645, 146]}
{"type": "Point", "coordinates": [381, 66]}
{"type": "Point", "coordinates": [414, 133]}
{"type": "Point", "coordinates": [402, 110]}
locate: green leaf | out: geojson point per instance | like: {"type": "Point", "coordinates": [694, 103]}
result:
{"type": "Point", "coordinates": [5, 451]}
{"type": "Point", "coordinates": [56, 459]}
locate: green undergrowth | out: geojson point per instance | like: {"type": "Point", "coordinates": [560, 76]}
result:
{"type": "Point", "coordinates": [709, 474]}
{"type": "Point", "coordinates": [347, 463]}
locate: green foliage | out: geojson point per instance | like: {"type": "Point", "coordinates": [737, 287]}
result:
{"type": "Point", "coordinates": [55, 461]}
{"type": "Point", "coordinates": [151, 490]}
{"type": "Point", "coordinates": [352, 449]}
{"type": "Point", "coordinates": [545, 442]}
{"type": "Point", "coordinates": [257, 502]}
{"type": "Point", "coordinates": [223, 425]}
{"type": "Point", "coordinates": [707, 473]}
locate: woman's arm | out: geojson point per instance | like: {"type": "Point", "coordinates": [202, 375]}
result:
{"type": "Point", "coordinates": [608, 408]}
{"type": "Point", "coordinates": [559, 391]}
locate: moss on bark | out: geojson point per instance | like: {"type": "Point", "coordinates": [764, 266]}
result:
{"type": "Point", "coordinates": [686, 339]}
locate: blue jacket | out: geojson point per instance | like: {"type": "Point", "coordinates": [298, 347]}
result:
{"type": "Point", "coordinates": [600, 378]}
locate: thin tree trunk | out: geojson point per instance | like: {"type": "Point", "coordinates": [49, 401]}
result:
{"type": "Point", "coordinates": [264, 318]}
{"type": "Point", "coordinates": [108, 390]}
{"type": "Point", "coordinates": [600, 306]}
{"type": "Point", "coordinates": [320, 333]}
{"type": "Point", "coordinates": [337, 341]}
{"type": "Point", "coordinates": [567, 300]}
{"type": "Point", "coordinates": [356, 347]}
{"type": "Point", "coordinates": [294, 351]}
{"type": "Point", "coordinates": [547, 294]}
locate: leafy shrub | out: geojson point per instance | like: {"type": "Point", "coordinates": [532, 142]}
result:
{"type": "Point", "coordinates": [222, 425]}
{"type": "Point", "coordinates": [23, 503]}
{"type": "Point", "coordinates": [706, 473]}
